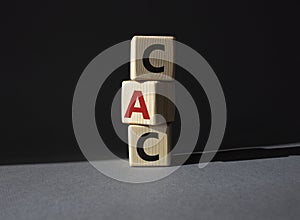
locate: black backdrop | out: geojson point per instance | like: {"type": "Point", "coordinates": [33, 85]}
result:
{"type": "Point", "coordinates": [253, 46]}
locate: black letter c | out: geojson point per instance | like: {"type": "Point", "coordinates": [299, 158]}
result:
{"type": "Point", "coordinates": [140, 147]}
{"type": "Point", "coordinates": [146, 56]}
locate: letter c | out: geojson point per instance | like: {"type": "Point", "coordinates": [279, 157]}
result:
{"type": "Point", "coordinates": [140, 147]}
{"type": "Point", "coordinates": [146, 56]}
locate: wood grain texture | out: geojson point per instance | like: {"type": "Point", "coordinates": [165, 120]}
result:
{"type": "Point", "coordinates": [156, 104]}
{"type": "Point", "coordinates": [157, 58]}
{"type": "Point", "coordinates": [157, 146]}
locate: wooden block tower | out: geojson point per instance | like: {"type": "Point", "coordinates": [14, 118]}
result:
{"type": "Point", "coordinates": [151, 74]}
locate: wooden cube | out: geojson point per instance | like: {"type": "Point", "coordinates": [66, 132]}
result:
{"type": "Point", "coordinates": [152, 58]}
{"type": "Point", "coordinates": [142, 103]}
{"type": "Point", "coordinates": [149, 145]}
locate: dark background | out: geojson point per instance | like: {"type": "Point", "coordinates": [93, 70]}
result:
{"type": "Point", "coordinates": [253, 46]}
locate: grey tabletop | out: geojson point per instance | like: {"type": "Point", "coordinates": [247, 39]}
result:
{"type": "Point", "coordinates": [254, 189]}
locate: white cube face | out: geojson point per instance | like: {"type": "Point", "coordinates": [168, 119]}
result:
{"type": "Point", "coordinates": [152, 58]}
{"type": "Point", "coordinates": [142, 103]}
{"type": "Point", "coordinates": [149, 145]}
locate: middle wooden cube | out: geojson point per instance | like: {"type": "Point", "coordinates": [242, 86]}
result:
{"type": "Point", "coordinates": [145, 103]}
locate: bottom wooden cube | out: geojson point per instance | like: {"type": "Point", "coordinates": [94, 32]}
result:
{"type": "Point", "coordinates": [149, 145]}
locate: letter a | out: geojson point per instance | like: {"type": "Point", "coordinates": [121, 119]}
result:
{"type": "Point", "coordinates": [142, 109]}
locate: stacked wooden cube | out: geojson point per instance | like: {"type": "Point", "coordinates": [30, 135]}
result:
{"type": "Point", "coordinates": [151, 74]}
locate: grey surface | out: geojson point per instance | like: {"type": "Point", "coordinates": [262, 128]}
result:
{"type": "Point", "coordinates": [256, 189]}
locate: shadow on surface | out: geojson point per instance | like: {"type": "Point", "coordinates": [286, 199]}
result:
{"type": "Point", "coordinates": [224, 156]}
{"type": "Point", "coordinates": [240, 155]}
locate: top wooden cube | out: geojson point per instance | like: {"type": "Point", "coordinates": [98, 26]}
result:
{"type": "Point", "coordinates": [152, 58]}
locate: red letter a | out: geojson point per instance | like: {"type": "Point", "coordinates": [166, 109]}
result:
{"type": "Point", "coordinates": [142, 109]}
